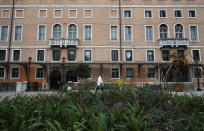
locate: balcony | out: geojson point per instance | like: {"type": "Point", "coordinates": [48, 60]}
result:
{"type": "Point", "coordinates": [63, 42]}
{"type": "Point", "coordinates": [173, 42]}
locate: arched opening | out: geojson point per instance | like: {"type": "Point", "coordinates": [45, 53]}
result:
{"type": "Point", "coordinates": [55, 79]}
{"type": "Point", "coordinates": [71, 76]}
{"type": "Point", "coordinates": [179, 31]}
{"type": "Point", "coordinates": [72, 31]}
{"type": "Point", "coordinates": [163, 31]}
{"type": "Point", "coordinates": [57, 31]}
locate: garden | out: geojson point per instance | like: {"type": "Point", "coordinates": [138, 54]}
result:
{"type": "Point", "coordinates": [128, 108]}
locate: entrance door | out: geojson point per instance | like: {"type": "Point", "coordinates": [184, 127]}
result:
{"type": "Point", "coordinates": [55, 79]}
{"type": "Point", "coordinates": [70, 76]}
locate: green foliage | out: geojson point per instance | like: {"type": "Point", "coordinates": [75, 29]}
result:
{"type": "Point", "coordinates": [138, 109]}
{"type": "Point", "coordinates": [82, 70]}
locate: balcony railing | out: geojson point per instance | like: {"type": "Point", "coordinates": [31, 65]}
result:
{"type": "Point", "coordinates": [63, 42]}
{"type": "Point", "coordinates": [173, 42]}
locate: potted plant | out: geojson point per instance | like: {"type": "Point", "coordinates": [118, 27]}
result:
{"type": "Point", "coordinates": [179, 87]}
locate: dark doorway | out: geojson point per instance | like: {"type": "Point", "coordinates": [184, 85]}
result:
{"type": "Point", "coordinates": [70, 76]}
{"type": "Point", "coordinates": [55, 79]}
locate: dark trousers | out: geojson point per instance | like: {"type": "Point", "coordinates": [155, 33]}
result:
{"type": "Point", "coordinates": [98, 88]}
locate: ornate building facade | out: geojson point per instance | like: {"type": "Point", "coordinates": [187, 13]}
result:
{"type": "Point", "coordinates": [43, 40]}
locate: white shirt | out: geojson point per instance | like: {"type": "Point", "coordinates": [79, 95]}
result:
{"type": "Point", "coordinates": [100, 81]}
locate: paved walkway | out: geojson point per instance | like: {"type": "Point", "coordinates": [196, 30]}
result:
{"type": "Point", "coordinates": [12, 94]}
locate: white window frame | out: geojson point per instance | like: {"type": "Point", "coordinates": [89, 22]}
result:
{"type": "Point", "coordinates": [153, 53]}
{"type": "Point", "coordinates": [13, 54]}
{"type": "Point", "coordinates": [7, 34]}
{"type": "Point", "coordinates": [131, 33]}
{"type": "Point", "coordinates": [69, 11]}
{"type": "Point", "coordinates": [36, 74]}
{"type": "Point", "coordinates": [4, 73]}
{"type": "Point", "coordinates": [118, 73]}
{"type": "Point", "coordinates": [75, 55]}
{"type": "Point", "coordinates": [175, 30]}
{"type": "Point", "coordinates": [178, 10]}
{"type": "Point", "coordinates": [190, 33]}
{"type": "Point", "coordinates": [19, 73]}
{"type": "Point", "coordinates": [2, 13]}
{"type": "Point", "coordinates": [117, 34]}
{"type": "Point", "coordinates": [162, 55]}
{"type": "Point", "coordinates": [54, 13]}
{"type": "Point", "coordinates": [45, 32]}
{"type": "Point", "coordinates": [154, 73]}
{"type": "Point", "coordinates": [159, 13]}
{"type": "Point", "coordinates": [53, 27]}
{"type": "Point", "coordinates": [84, 33]}
{"type": "Point", "coordinates": [195, 13]}
{"type": "Point", "coordinates": [126, 73]}
{"type": "Point", "coordinates": [194, 72]}
{"type": "Point", "coordinates": [19, 10]}
{"type": "Point", "coordinates": [111, 55]}
{"type": "Point", "coordinates": [84, 13]}
{"type": "Point", "coordinates": [37, 55]}
{"type": "Point", "coordinates": [110, 13]}
{"type": "Point", "coordinates": [42, 10]}
{"type": "Point", "coordinates": [21, 33]}
{"type": "Point", "coordinates": [125, 55]}
{"type": "Point", "coordinates": [60, 55]}
{"type": "Point", "coordinates": [68, 29]}
{"type": "Point", "coordinates": [168, 31]}
{"type": "Point", "coordinates": [84, 55]}
{"type": "Point", "coordinates": [6, 55]}
{"type": "Point", "coordinates": [199, 54]}
{"type": "Point", "coordinates": [124, 13]}
{"type": "Point", "coordinates": [152, 34]}
{"type": "Point", "coordinates": [151, 13]}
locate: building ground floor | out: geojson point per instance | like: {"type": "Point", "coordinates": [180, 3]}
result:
{"type": "Point", "coordinates": [52, 75]}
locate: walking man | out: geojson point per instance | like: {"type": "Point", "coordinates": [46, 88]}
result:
{"type": "Point", "coordinates": [99, 84]}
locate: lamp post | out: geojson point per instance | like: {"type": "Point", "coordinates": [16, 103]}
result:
{"type": "Point", "coordinates": [63, 61]}
{"type": "Point", "coordinates": [198, 80]}
{"type": "Point", "coordinates": [29, 61]}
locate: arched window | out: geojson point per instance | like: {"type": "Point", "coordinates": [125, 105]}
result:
{"type": "Point", "coordinates": [72, 31]}
{"type": "Point", "coordinates": [163, 31]}
{"type": "Point", "coordinates": [57, 31]}
{"type": "Point", "coordinates": [179, 31]}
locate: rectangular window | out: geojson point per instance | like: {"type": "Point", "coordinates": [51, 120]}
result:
{"type": "Point", "coordinates": [87, 55]}
{"type": "Point", "coordinates": [193, 33]}
{"type": "Point", "coordinates": [197, 72]}
{"type": "Point", "coordinates": [16, 55]}
{"type": "Point", "coordinates": [149, 34]}
{"type": "Point", "coordinates": [15, 73]}
{"type": "Point", "coordinates": [113, 13]}
{"type": "Point", "coordinates": [129, 73]}
{"type": "Point", "coordinates": [2, 73]}
{"type": "Point", "coordinates": [40, 55]}
{"type": "Point", "coordinates": [72, 13]}
{"type": "Point", "coordinates": [56, 55]}
{"type": "Point", "coordinates": [128, 33]}
{"type": "Point", "coordinates": [162, 14]}
{"type": "Point", "coordinates": [41, 33]}
{"type": "Point", "coordinates": [2, 55]}
{"type": "Point", "coordinates": [148, 14]}
{"type": "Point", "coordinates": [19, 13]}
{"type": "Point", "coordinates": [127, 14]}
{"type": "Point", "coordinates": [114, 33]}
{"type": "Point", "coordinates": [57, 13]}
{"type": "Point", "coordinates": [87, 13]}
{"type": "Point", "coordinates": [178, 13]}
{"type": "Point", "coordinates": [18, 33]}
{"type": "Point", "coordinates": [128, 55]}
{"type": "Point", "coordinates": [42, 13]}
{"type": "Point", "coordinates": [180, 53]}
{"type": "Point", "coordinates": [4, 33]}
{"type": "Point", "coordinates": [5, 13]}
{"type": "Point", "coordinates": [165, 55]}
{"type": "Point", "coordinates": [39, 73]}
{"type": "Point", "coordinates": [115, 73]}
{"type": "Point", "coordinates": [87, 33]}
{"type": "Point", "coordinates": [114, 55]}
{"type": "Point", "coordinates": [71, 55]}
{"type": "Point", "coordinates": [196, 55]}
{"type": "Point", "coordinates": [191, 14]}
{"type": "Point", "coordinates": [151, 72]}
{"type": "Point", "coordinates": [150, 55]}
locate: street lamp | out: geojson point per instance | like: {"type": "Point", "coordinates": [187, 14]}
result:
{"type": "Point", "coordinates": [63, 61]}
{"type": "Point", "coordinates": [29, 61]}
